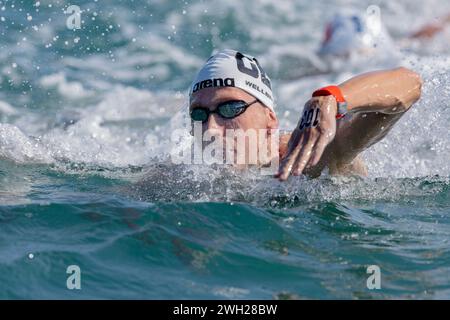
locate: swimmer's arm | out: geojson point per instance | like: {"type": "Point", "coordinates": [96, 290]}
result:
{"type": "Point", "coordinates": [376, 101]}
{"type": "Point", "coordinates": [388, 92]}
{"type": "Point", "coordinates": [430, 30]}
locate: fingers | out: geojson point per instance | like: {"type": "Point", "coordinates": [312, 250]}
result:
{"type": "Point", "coordinates": [319, 148]}
{"type": "Point", "coordinates": [286, 164]}
{"type": "Point", "coordinates": [314, 132]}
{"type": "Point", "coordinates": [305, 154]}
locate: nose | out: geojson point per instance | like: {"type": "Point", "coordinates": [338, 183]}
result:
{"type": "Point", "coordinates": [215, 123]}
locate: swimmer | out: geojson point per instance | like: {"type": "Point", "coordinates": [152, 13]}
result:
{"type": "Point", "coordinates": [338, 122]}
{"type": "Point", "coordinates": [355, 34]}
{"type": "Point", "coordinates": [364, 35]}
{"type": "Point", "coordinates": [432, 29]}
{"type": "Point", "coordinates": [355, 40]}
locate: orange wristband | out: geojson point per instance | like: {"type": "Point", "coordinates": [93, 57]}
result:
{"type": "Point", "coordinates": [336, 92]}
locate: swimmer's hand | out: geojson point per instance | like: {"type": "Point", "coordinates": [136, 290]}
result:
{"type": "Point", "coordinates": [315, 130]}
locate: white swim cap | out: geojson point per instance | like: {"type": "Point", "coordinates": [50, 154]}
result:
{"type": "Point", "coordinates": [348, 32]}
{"type": "Point", "coordinates": [230, 68]}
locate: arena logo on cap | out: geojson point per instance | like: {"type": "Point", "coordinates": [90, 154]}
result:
{"type": "Point", "coordinates": [217, 82]}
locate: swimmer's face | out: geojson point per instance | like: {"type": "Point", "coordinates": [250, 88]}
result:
{"type": "Point", "coordinates": [257, 116]}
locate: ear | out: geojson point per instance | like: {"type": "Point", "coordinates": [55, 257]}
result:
{"type": "Point", "coordinates": [272, 120]}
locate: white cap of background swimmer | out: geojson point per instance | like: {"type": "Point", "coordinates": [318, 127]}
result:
{"type": "Point", "coordinates": [230, 68]}
{"type": "Point", "coordinates": [348, 32]}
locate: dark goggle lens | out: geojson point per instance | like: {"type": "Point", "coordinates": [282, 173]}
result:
{"type": "Point", "coordinates": [231, 109]}
{"type": "Point", "coordinates": [199, 114]}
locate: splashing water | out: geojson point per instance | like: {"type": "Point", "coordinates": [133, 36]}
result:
{"type": "Point", "coordinates": [86, 179]}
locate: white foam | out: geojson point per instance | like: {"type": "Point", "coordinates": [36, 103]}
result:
{"type": "Point", "coordinates": [418, 144]}
{"type": "Point", "coordinates": [7, 109]}
{"type": "Point", "coordinates": [125, 128]}
{"type": "Point", "coordinates": [69, 89]}
{"type": "Point", "coordinates": [122, 125]}
{"type": "Point", "coordinates": [17, 146]}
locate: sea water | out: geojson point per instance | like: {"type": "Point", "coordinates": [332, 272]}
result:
{"type": "Point", "coordinates": [86, 180]}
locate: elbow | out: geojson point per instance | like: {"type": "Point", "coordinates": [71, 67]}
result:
{"type": "Point", "coordinates": [412, 90]}
{"type": "Point", "coordinates": [416, 87]}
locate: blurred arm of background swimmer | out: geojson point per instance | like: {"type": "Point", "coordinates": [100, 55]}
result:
{"type": "Point", "coordinates": [376, 101]}
{"type": "Point", "coordinates": [430, 30]}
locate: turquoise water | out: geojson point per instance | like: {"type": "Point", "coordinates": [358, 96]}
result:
{"type": "Point", "coordinates": [85, 178]}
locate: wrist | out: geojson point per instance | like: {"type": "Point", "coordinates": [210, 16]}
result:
{"type": "Point", "coordinates": [335, 93]}
{"type": "Point", "coordinates": [327, 102]}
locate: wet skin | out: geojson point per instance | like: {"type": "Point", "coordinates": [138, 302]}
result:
{"type": "Point", "coordinates": [376, 101]}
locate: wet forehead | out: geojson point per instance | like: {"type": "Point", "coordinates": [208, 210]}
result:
{"type": "Point", "coordinates": [210, 97]}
